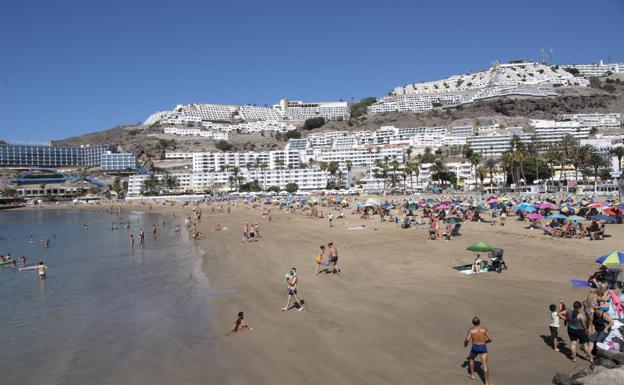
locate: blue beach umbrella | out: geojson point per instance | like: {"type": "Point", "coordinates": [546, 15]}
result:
{"type": "Point", "coordinates": [605, 218]}
{"type": "Point", "coordinates": [614, 258]}
{"type": "Point", "coordinates": [556, 216]}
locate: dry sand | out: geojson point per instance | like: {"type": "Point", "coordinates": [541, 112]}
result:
{"type": "Point", "coordinates": [398, 313]}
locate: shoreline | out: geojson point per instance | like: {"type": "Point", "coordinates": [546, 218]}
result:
{"type": "Point", "coordinates": [397, 313]}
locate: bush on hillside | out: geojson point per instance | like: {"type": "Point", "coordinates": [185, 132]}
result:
{"type": "Point", "coordinates": [313, 123]}
{"type": "Point", "coordinates": [223, 145]}
{"type": "Point", "coordinates": [292, 134]}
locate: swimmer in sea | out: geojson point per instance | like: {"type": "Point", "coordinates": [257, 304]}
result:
{"type": "Point", "coordinates": [41, 269]}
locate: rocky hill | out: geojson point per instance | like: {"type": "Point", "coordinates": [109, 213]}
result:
{"type": "Point", "coordinates": [507, 111]}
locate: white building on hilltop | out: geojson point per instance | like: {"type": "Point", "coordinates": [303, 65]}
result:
{"type": "Point", "coordinates": [299, 111]}
{"type": "Point", "coordinates": [597, 69]}
{"type": "Point", "coordinates": [610, 121]}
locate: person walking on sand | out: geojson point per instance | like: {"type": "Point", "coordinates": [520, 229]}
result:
{"type": "Point", "coordinates": [577, 330]}
{"type": "Point", "coordinates": [330, 219]}
{"type": "Point", "coordinates": [245, 232]}
{"type": "Point", "coordinates": [320, 260]}
{"type": "Point", "coordinates": [333, 258]}
{"type": "Point", "coordinates": [291, 279]}
{"type": "Point", "coordinates": [479, 337]}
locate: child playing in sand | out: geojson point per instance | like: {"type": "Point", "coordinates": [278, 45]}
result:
{"type": "Point", "coordinates": [240, 323]}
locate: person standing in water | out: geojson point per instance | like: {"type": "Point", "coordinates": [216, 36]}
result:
{"type": "Point", "coordinates": [142, 237]}
{"type": "Point", "coordinates": [41, 269]}
{"type": "Point", "coordinates": [154, 230]}
{"type": "Point", "coordinates": [132, 240]}
{"type": "Point", "coordinates": [479, 337]}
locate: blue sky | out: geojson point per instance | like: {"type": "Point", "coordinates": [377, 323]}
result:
{"type": "Point", "coordinates": [71, 67]}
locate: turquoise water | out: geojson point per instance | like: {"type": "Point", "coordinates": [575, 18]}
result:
{"type": "Point", "coordinates": [105, 314]}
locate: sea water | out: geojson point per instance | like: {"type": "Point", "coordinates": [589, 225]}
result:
{"type": "Point", "coordinates": [106, 313]}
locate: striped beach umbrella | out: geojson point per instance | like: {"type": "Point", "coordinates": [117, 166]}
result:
{"type": "Point", "coordinates": [614, 258]}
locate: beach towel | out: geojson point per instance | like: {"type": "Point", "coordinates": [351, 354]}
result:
{"type": "Point", "coordinates": [579, 283]}
{"type": "Point", "coordinates": [360, 227]}
{"type": "Point", "coordinates": [617, 303]}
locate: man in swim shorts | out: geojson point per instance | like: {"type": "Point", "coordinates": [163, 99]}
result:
{"type": "Point", "coordinates": [479, 337]}
{"type": "Point", "coordinates": [291, 279]}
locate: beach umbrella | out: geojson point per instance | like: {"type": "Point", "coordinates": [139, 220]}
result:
{"type": "Point", "coordinates": [453, 220]}
{"type": "Point", "coordinates": [479, 246]}
{"type": "Point", "coordinates": [526, 207]}
{"type": "Point", "coordinates": [605, 218]}
{"type": "Point", "coordinates": [614, 258]}
{"type": "Point", "coordinates": [443, 206]}
{"type": "Point", "coordinates": [556, 216]}
{"type": "Point", "coordinates": [575, 218]}
{"type": "Point", "coordinates": [545, 205]}
{"type": "Point", "coordinates": [535, 216]}
{"type": "Point", "coordinates": [595, 205]}
{"type": "Point", "coordinates": [609, 211]}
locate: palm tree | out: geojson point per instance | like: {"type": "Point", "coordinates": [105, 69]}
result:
{"type": "Point", "coordinates": [474, 159]}
{"type": "Point", "coordinates": [596, 161]}
{"type": "Point", "coordinates": [481, 174]}
{"type": "Point", "coordinates": [565, 151]}
{"type": "Point", "coordinates": [408, 154]}
{"type": "Point", "coordinates": [490, 165]}
{"type": "Point", "coordinates": [349, 164]}
{"type": "Point", "coordinates": [619, 153]}
{"type": "Point", "coordinates": [533, 149]}
{"type": "Point", "coordinates": [580, 157]}
{"type": "Point", "coordinates": [438, 171]}
{"type": "Point", "coordinates": [395, 168]}
{"type": "Point", "coordinates": [551, 156]}
{"type": "Point", "coordinates": [332, 168]}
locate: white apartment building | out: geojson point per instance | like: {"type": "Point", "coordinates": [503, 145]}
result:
{"type": "Point", "coordinates": [464, 131]}
{"type": "Point", "coordinates": [187, 131]}
{"type": "Point", "coordinates": [508, 74]}
{"type": "Point", "coordinates": [209, 112]}
{"type": "Point", "coordinates": [178, 155]}
{"type": "Point", "coordinates": [299, 111]}
{"type": "Point", "coordinates": [253, 113]}
{"type": "Point", "coordinates": [306, 179]}
{"type": "Point", "coordinates": [597, 70]}
{"type": "Point", "coordinates": [362, 156]}
{"type": "Point", "coordinates": [610, 121]}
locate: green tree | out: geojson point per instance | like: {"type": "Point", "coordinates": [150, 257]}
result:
{"type": "Point", "coordinates": [596, 162]}
{"type": "Point", "coordinates": [274, 189]}
{"type": "Point", "coordinates": [292, 187]}
{"type": "Point", "coordinates": [151, 186]}
{"type": "Point", "coordinates": [428, 156]}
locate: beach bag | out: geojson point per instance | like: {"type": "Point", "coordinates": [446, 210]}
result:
{"type": "Point", "coordinates": [318, 259]}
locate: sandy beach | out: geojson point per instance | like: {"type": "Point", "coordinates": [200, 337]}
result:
{"type": "Point", "coordinates": [398, 313]}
